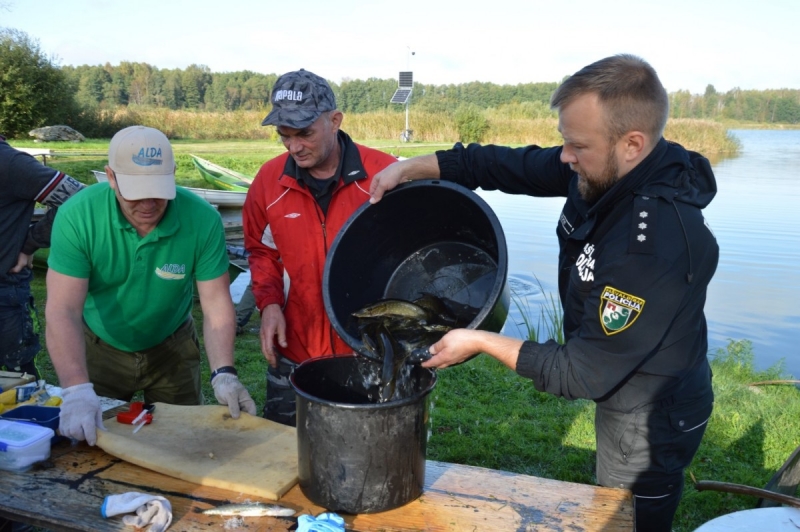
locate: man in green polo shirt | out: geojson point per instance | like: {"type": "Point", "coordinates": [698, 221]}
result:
{"type": "Point", "coordinates": [122, 268]}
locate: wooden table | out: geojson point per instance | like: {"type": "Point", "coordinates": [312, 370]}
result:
{"type": "Point", "coordinates": [68, 495]}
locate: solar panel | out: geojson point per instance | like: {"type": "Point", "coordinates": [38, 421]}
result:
{"type": "Point", "coordinates": [401, 95]}
{"type": "Point", "coordinates": [406, 80]}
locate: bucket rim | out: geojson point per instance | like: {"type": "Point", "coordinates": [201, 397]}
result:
{"type": "Point", "coordinates": [414, 398]}
{"type": "Point", "coordinates": [500, 282]}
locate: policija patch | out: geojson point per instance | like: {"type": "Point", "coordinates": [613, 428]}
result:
{"type": "Point", "coordinates": [618, 310]}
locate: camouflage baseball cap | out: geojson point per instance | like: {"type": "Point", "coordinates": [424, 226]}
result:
{"type": "Point", "coordinates": [298, 99]}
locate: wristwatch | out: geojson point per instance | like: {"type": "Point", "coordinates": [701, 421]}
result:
{"type": "Point", "coordinates": [224, 369]}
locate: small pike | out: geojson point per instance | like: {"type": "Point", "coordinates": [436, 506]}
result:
{"type": "Point", "coordinates": [253, 509]}
{"type": "Point", "coordinates": [397, 308]}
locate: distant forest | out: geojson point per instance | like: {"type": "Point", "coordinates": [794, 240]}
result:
{"type": "Point", "coordinates": [197, 88]}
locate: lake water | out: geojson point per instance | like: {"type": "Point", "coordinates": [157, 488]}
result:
{"type": "Point", "coordinates": [755, 294]}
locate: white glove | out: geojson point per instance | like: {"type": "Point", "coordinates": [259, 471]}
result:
{"type": "Point", "coordinates": [81, 414]}
{"type": "Point", "coordinates": [230, 391]}
{"type": "Point", "coordinates": [150, 510]}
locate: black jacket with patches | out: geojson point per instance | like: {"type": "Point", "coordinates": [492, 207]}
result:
{"type": "Point", "coordinates": [633, 272]}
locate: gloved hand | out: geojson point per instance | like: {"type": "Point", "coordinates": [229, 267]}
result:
{"type": "Point", "coordinates": [325, 522]}
{"type": "Point", "coordinates": [230, 391]}
{"type": "Point", "coordinates": [81, 414]}
{"type": "Point", "coordinates": [150, 510]}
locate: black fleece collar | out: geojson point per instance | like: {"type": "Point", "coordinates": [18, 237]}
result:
{"type": "Point", "coordinates": [350, 166]}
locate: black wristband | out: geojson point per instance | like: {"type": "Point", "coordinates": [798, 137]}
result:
{"type": "Point", "coordinates": [223, 369]}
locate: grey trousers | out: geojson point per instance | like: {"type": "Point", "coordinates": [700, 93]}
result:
{"type": "Point", "coordinates": [245, 307]}
{"type": "Point", "coordinates": [647, 450]}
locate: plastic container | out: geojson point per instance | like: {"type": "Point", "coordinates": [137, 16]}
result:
{"type": "Point", "coordinates": [44, 416]}
{"type": "Point", "coordinates": [423, 237]}
{"type": "Point", "coordinates": [355, 456]}
{"type": "Point", "coordinates": [22, 444]}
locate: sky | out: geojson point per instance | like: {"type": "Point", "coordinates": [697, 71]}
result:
{"type": "Point", "coordinates": [690, 43]}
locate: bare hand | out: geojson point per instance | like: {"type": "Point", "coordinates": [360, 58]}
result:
{"type": "Point", "coordinates": [23, 261]}
{"type": "Point", "coordinates": [273, 325]}
{"type": "Point", "coordinates": [454, 347]}
{"type": "Point", "coordinates": [385, 180]}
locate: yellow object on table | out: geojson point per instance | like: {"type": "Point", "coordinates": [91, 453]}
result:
{"type": "Point", "coordinates": [53, 401]}
{"type": "Point", "coordinates": [9, 397]}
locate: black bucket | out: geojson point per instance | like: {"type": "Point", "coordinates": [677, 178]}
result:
{"type": "Point", "coordinates": [423, 237]}
{"type": "Point", "coordinates": [356, 456]}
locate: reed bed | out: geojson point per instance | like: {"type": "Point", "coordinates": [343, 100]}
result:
{"type": "Point", "coordinates": [703, 136]}
{"type": "Point", "coordinates": [512, 124]}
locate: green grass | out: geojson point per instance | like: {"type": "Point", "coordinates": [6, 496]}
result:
{"type": "Point", "coordinates": [482, 414]}
{"type": "Point", "coordinates": [247, 156]}
{"type": "Point", "coordinates": [78, 160]}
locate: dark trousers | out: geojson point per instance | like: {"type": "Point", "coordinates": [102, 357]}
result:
{"type": "Point", "coordinates": [19, 328]}
{"type": "Point", "coordinates": [13, 526]}
{"type": "Point", "coordinates": [647, 450]}
{"type": "Point", "coordinates": [19, 344]}
{"type": "Point", "coordinates": [281, 402]}
{"type": "Point", "coordinates": [167, 373]}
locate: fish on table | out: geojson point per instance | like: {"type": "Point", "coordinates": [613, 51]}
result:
{"type": "Point", "coordinates": [250, 509]}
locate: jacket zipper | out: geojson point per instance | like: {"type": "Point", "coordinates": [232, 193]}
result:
{"type": "Point", "coordinates": [321, 217]}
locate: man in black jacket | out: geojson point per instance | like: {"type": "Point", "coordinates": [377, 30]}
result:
{"type": "Point", "coordinates": [635, 260]}
{"type": "Point", "coordinates": [24, 182]}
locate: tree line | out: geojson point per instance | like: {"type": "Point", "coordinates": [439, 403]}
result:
{"type": "Point", "coordinates": [34, 91]}
{"type": "Point", "coordinates": [197, 88]}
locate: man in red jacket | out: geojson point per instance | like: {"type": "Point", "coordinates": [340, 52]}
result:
{"type": "Point", "coordinates": [294, 209]}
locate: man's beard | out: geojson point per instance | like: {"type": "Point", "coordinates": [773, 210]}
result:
{"type": "Point", "coordinates": [593, 186]}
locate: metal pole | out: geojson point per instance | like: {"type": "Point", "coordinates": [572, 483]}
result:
{"type": "Point", "coordinates": [409, 53]}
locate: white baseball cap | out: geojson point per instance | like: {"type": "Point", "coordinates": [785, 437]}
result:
{"type": "Point", "coordinates": [143, 163]}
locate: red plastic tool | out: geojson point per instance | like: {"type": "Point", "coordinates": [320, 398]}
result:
{"type": "Point", "coordinates": [134, 412]}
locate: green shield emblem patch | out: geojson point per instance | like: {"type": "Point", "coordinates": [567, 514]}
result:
{"type": "Point", "coordinates": [618, 310]}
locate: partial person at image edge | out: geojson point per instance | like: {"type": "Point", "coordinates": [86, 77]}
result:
{"type": "Point", "coordinates": [25, 182]}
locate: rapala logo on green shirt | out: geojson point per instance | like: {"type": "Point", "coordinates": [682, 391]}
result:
{"type": "Point", "coordinates": [172, 272]}
{"type": "Point", "coordinates": [618, 310]}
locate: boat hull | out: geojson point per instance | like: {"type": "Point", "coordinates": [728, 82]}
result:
{"type": "Point", "coordinates": [220, 176]}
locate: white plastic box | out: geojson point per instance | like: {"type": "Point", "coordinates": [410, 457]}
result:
{"type": "Point", "coordinates": [23, 444]}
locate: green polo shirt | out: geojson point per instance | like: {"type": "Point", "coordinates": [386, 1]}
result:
{"type": "Point", "coordinates": [140, 288]}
